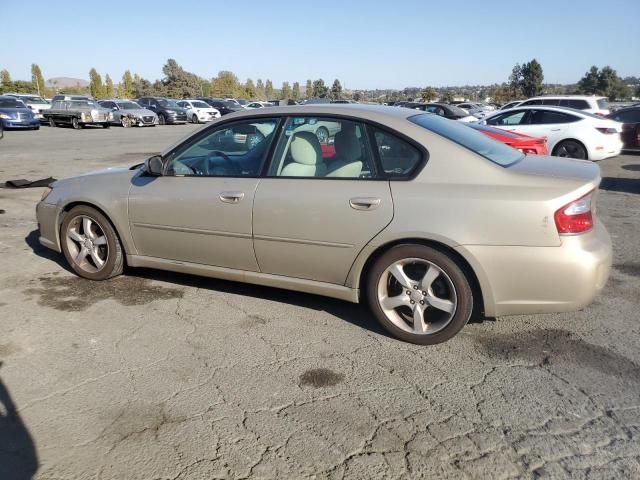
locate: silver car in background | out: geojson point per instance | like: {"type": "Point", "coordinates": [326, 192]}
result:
{"type": "Point", "coordinates": [424, 219]}
{"type": "Point", "coordinates": [128, 113]}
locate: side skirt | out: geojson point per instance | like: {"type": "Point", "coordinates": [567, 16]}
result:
{"type": "Point", "coordinates": [298, 284]}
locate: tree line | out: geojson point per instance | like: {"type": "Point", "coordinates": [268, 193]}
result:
{"type": "Point", "coordinates": [176, 83]}
{"type": "Point", "coordinates": [525, 80]}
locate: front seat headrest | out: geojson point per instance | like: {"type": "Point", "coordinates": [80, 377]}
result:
{"type": "Point", "coordinates": [305, 148]}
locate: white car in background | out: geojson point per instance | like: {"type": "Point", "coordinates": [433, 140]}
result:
{"type": "Point", "coordinates": [587, 103]}
{"type": "Point", "coordinates": [34, 102]}
{"type": "Point", "coordinates": [570, 133]}
{"type": "Point", "coordinates": [509, 105]}
{"type": "Point", "coordinates": [199, 111]}
{"type": "Point", "coordinates": [258, 105]}
{"type": "Point", "coordinates": [476, 109]}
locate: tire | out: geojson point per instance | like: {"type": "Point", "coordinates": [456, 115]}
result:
{"type": "Point", "coordinates": [194, 119]}
{"type": "Point", "coordinates": [570, 149]}
{"type": "Point", "coordinates": [36, 128]}
{"type": "Point", "coordinates": [161, 119]}
{"type": "Point", "coordinates": [323, 135]}
{"type": "Point", "coordinates": [106, 125]}
{"type": "Point", "coordinates": [75, 123]}
{"type": "Point", "coordinates": [108, 251]}
{"type": "Point", "coordinates": [445, 300]}
{"type": "Point", "coordinates": [125, 122]}
{"type": "Point", "coordinates": [52, 122]}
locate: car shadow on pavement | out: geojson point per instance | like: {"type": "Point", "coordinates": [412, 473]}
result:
{"type": "Point", "coordinates": [18, 456]}
{"type": "Point", "coordinates": [356, 314]}
{"type": "Point", "coordinates": [32, 240]}
{"type": "Point", "coordinates": [632, 167]}
{"type": "Point", "coordinates": [622, 185]}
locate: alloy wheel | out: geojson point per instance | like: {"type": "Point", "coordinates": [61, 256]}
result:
{"type": "Point", "coordinates": [417, 296]}
{"type": "Point", "coordinates": [87, 244]}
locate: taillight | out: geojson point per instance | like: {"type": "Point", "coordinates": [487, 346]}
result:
{"type": "Point", "coordinates": [600, 114]}
{"type": "Point", "coordinates": [527, 150]}
{"type": "Point", "coordinates": [607, 131]}
{"type": "Point", "coordinates": [575, 217]}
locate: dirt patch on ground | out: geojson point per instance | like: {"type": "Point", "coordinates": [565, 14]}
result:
{"type": "Point", "coordinates": [74, 294]}
{"type": "Point", "coordinates": [320, 377]}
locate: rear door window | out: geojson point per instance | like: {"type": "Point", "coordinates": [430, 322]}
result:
{"type": "Point", "coordinates": [546, 117]}
{"type": "Point", "coordinates": [512, 117]}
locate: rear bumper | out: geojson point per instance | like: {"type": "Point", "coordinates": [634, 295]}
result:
{"type": "Point", "coordinates": [607, 149]}
{"type": "Point", "coordinates": [525, 280]}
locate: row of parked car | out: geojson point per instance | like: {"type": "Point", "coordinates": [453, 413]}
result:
{"type": "Point", "coordinates": [566, 126]}
{"type": "Point", "coordinates": [574, 126]}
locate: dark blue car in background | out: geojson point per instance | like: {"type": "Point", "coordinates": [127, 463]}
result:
{"type": "Point", "coordinates": [15, 114]}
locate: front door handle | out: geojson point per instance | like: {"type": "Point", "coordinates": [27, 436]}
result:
{"type": "Point", "coordinates": [364, 203]}
{"type": "Point", "coordinates": [231, 197]}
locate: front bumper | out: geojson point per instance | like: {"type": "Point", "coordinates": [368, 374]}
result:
{"type": "Point", "coordinates": [173, 119]}
{"type": "Point", "coordinates": [13, 123]}
{"type": "Point", "coordinates": [47, 215]}
{"type": "Point", "coordinates": [518, 280]}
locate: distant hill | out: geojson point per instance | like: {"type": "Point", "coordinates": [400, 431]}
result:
{"type": "Point", "coordinates": [62, 82]}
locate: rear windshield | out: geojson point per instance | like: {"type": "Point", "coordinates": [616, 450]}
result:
{"type": "Point", "coordinates": [469, 138]}
{"type": "Point", "coordinates": [603, 104]}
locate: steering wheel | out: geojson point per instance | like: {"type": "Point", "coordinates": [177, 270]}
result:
{"type": "Point", "coordinates": [230, 164]}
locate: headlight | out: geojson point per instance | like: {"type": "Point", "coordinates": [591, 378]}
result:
{"type": "Point", "coordinates": [46, 193]}
{"type": "Point", "coordinates": [4, 116]}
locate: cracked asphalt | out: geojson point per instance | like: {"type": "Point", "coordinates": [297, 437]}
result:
{"type": "Point", "coordinates": [163, 376]}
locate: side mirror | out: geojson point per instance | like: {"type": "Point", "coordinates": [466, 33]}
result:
{"type": "Point", "coordinates": [153, 166]}
{"type": "Point", "coordinates": [114, 109]}
{"type": "Point", "coordinates": [29, 107]}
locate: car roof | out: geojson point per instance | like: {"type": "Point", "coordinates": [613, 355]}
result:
{"type": "Point", "coordinates": [596, 97]}
{"type": "Point", "coordinates": [546, 107]}
{"type": "Point", "coordinates": [370, 112]}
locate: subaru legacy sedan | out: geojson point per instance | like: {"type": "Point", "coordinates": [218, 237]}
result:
{"type": "Point", "coordinates": [423, 219]}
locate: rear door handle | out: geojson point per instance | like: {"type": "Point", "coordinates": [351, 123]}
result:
{"type": "Point", "coordinates": [364, 203]}
{"type": "Point", "coordinates": [231, 197]}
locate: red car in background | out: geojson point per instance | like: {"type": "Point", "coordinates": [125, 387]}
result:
{"type": "Point", "coordinates": [526, 144]}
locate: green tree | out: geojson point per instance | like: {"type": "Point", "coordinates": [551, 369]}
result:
{"type": "Point", "coordinates": [126, 87]}
{"type": "Point", "coordinates": [177, 82]}
{"type": "Point", "coordinates": [308, 92]}
{"type": "Point", "coordinates": [37, 79]}
{"type": "Point", "coordinates": [249, 89]}
{"type": "Point", "coordinates": [336, 90]}
{"type": "Point", "coordinates": [515, 81]}
{"type": "Point", "coordinates": [589, 84]}
{"type": "Point", "coordinates": [268, 89]}
{"type": "Point", "coordinates": [5, 77]}
{"type": "Point", "coordinates": [501, 94]}
{"type": "Point", "coordinates": [428, 94]}
{"type": "Point", "coordinates": [108, 86]}
{"type": "Point", "coordinates": [95, 84]}
{"type": "Point", "coordinates": [295, 91]}
{"type": "Point", "coordinates": [532, 78]}
{"type": "Point", "coordinates": [319, 89]}
{"type": "Point", "coordinates": [604, 82]}
{"type": "Point", "coordinates": [285, 93]}
{"type": "Point", "coordinates": [260, 94]}
{"type": "Point", "coordinates": [226, 84]}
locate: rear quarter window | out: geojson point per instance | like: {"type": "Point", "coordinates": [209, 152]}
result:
{"type": "Point", "coordinates": [579, 104]}
{"type": "Point", "coordinates": [398, 157]}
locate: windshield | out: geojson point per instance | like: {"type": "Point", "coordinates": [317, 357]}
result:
{"type": "Point", "coordinates": [603, 104]}
{"type": "Point", "coordinates": [11, 103]}
{"type": "Point", "coordinates": [457, 111]}
{"type": "Point", "coordinates": [230, 104]}
{"type": "Point", "coordinates": [200, 105]}
{"type": "Point", "coordinates": [168, 103]}
{"type": "Point", "coordinates": [475, 141]}
{"type": "Point", "coordinates": [38, 100]}
{"type": "Point", "coordinates": [128, 106]}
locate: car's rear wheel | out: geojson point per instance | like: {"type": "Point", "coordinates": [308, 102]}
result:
{"type": "Point", "coordinates": [571, 149]}
{"type": "Point", "coordinates": [52, 122]}
{"type": "Point", "coordinates": [419, 294]}
{"type": "Point", "coordinates": [194, 119]}
{"type": "Point", "coordinates": [75, 123]}
{"type": "Point", "coordinates": [106, 125]}
{"type": "Point", "coordinates": [90, 244]}
{"type": "Point", "coordinates": [161, 119]}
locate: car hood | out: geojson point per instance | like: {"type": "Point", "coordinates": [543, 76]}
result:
{"type": "Point", "coordinates": [104, 177]}
{"type": "Point", "coordinates": [138, 111]}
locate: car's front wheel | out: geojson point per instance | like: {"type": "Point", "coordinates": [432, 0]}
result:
{"type": "Point", "coordinates": [75, 123]}
{"type": "Point", "coordinates": [161, 119]}
{"type": "Point", "coordinates": [194, 119]}
{"type": "Point", "coordinates": [90, 244]}
{"type": "Point", "coordinates": [419, 294]}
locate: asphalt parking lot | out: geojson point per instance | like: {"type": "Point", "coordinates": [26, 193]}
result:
{"type": "Point", "coordinates": [167, 376]}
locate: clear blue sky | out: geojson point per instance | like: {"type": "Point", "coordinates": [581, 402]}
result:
{"type": "Point", "coordinates": [366, 44]}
